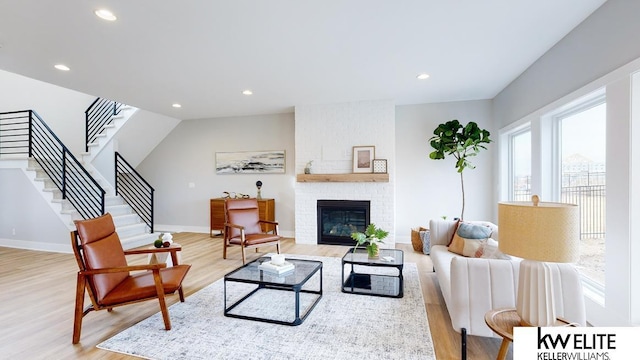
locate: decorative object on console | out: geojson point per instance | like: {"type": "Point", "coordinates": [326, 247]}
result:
{"type": "Point", "coordinates": [380, 166]}
{"type": "Point", "coordinates": [250, 162]}
{"type": "Point", "coordinates": [372, 236]}
{"type": "Point", "coordinates": [363, 158]}
{"type": "Point", "coordinates": [167, 239]}
{"type": "Point", "coordinates": [277, 265]}
{"type": "Point", "coordinates": [538, 232]}
{"type": "Point", "coordinates": [307, 167]}
{"type": "Point", "coordinates": [259, 186]}
{"type": "Point", "coordinates": [463, 142]}
{"type": "Point", "coordinates": [234, 195]}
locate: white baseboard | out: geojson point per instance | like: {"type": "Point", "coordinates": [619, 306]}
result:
{"type": "Point", "coordinates": [34, 245]}
{"type": "Point", "coordinates": [179, 228]}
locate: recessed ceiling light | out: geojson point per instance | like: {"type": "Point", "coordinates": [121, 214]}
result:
{"type": "Point", "coordinates": [105, 15]}
{"type": "Point", "coordinates": [247, 92]}
{"type": "Point", "coordinates": [176, 105]}
{"type": "Point", "coordinates": [423, 76]}
{"type": "Point", "coordinates": [62, 67]}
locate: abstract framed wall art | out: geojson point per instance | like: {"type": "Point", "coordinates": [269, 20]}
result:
{"type": "Point", "coordinates": [250, 162]}
{"type": "Point", "coordinates": [363, 159]}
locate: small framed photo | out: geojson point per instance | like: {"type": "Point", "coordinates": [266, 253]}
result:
{"type": "Point", "coordinates": [380, 166]}
{"type": "Point", "coordinates": [363, 159]}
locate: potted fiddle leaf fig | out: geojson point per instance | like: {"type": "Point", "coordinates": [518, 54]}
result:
{"type": "Point", "coordinates": [371, 237]}
{"type": "Point", "coordinates": [461, 142]}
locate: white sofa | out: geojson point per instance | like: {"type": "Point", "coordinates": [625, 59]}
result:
{"type": "Point", "coordinates": [473, 286]}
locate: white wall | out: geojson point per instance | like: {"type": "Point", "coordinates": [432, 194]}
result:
{"type": "Point", "coordinates": [187, 155]}
{"type": "Point", "coordinates": [603, 42]}
{"type": "Point", "coordinates": [24, 210]}
{"type": "Point", "coordinates": [428, 189]}
{"type": "Point", "coordinates": [62, 109]}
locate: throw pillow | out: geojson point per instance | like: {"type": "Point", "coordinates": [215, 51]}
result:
{"type": "Point", "coordinates": [471, 231]}
{"type": "Point", "coordinates": [489, 250]}
{"type": "Point", "coordinates": [467, 238]}
{"type": "Point", "coordinates": [425, 236]}
{"type": "Point", "coordinates": [454, 232]}
{"type": "Point", "coordinates": [492, 252]}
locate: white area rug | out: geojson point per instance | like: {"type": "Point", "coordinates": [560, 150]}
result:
{"type": "Point", "coordinates": [341, 326]}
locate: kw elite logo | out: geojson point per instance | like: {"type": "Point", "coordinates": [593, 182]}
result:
{"type": "Point", "coordinates": [576, 346]}
{"type": "Point", "coordinates": [575, 343]}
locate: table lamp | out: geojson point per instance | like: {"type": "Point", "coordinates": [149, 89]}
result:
{"type": "Point", "coordinates": [538, 232]}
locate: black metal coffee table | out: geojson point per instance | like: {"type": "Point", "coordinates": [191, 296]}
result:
{"type": "Point", "coordinates": [377, 277]}
{"type": "Point", "coordinates": [293, 281]}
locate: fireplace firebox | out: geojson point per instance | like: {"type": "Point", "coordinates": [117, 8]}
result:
{"type": "Point", "coordinates": [337, 219]}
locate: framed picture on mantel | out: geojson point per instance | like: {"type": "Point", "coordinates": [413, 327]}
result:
{"type": "Point", "coordinates": [363, 158]}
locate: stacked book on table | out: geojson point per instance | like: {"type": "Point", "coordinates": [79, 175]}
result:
{"type": "Point", "coordinates": [276, 269]}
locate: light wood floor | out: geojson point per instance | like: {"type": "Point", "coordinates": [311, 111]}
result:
{"type": "Point", "coordinates": [37, 291]}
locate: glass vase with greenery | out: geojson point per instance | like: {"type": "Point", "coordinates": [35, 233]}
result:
{"type": "Point", "coordinates": [371, 237]}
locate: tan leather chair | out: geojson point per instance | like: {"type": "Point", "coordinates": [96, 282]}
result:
{"type": "Point", "coordinates": [105, 275]}
{"type": "Point", "coordinates": [243, 227]}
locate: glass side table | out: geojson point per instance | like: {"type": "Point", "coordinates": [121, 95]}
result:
{"type": "Point", "coordinates": [381, 276]}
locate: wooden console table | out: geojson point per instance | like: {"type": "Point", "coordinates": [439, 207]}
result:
{"type": "Point", "coordinates": [267, 209]}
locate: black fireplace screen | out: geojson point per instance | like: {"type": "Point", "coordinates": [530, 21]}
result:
{"type": "Point", "coordinates": [337, 219]}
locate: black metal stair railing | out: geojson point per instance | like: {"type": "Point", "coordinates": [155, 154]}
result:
{"type": "Point", "coordinates": [14, 134]}
{"type": "Point", "coordinates": [25, 132]}
{"type": "Point", "coordinates": [98, 115]}
{"type": "Point", "coordinates": [134, 189]}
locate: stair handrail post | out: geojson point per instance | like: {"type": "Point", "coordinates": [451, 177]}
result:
{"type": "Point", "coordinates": [64, 174]}
{"type": "Point", "coordinates": [152, 207]}
{"type": "Point", "coordinates": [115, 171]}
{"type": "Point", "coordinates": [30, 133]}
{"type": "Point", "coordinates": [102, 208]}
{"type": "Point", "coordinates": [86, 128]}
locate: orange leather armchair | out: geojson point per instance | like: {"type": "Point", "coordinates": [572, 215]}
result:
{"type": "Point", "coordinates": [107, 278]}
{"type": "Point", "coordinates": [243, 227]}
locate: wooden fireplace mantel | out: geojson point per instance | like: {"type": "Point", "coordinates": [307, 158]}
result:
{"type": "Point", "coordinates": [354, 177]}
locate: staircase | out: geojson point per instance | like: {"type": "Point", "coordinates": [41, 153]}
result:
{"type": "Point", "coordinates": [78, 205]}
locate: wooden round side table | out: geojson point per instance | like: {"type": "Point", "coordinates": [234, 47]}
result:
{"type": "Point", "coordinates": [502, 322]}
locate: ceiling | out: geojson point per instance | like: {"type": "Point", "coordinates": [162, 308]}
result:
{"type": "Point", "coordinates": [203, 53]}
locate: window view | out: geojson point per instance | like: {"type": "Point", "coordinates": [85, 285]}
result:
{"type": "Point", "coordinates": [521, 166]}
{"type": "Point", "coordinates": [583, 168]}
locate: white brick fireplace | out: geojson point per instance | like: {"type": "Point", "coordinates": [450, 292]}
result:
{"type": "Point", "coordinates": [326, 134]}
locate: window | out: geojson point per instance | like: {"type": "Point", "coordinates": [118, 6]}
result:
{"type": "Point", "coordinates": [520, 166]}
{"type": "Point", "coordinates": [607, 108]}
{"type": "Point", "coordinates": [582, 159]}
{"type": "Point", "coordinates": [561, 156]}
